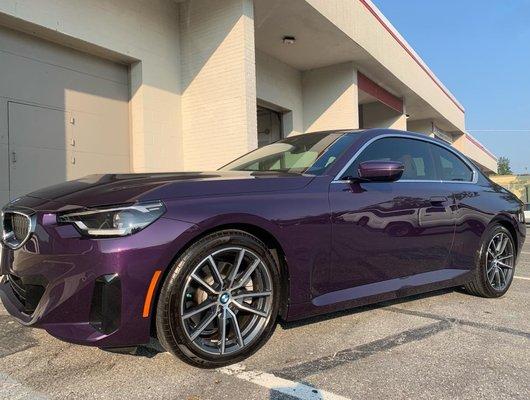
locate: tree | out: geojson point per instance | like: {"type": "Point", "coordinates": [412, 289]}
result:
{"type": "Point", "coordinates": [503, 167]}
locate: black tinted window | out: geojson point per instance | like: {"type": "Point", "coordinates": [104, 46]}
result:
{"type": "Point", "coordinates": [414, 154]}
{"type": "Point", "coordinates": [450, 166]}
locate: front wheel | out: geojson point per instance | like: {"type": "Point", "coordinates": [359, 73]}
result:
{"type": "Point", "coordinates": [496, 264]}
{"type": "Point", "coordinates": [220, 300]}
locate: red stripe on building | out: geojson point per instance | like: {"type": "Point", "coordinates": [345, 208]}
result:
{"type": "Point", "coordinates": [384, 96]}
{"type": "Point", "coordinates": [414, 57]}
{"type": "Point", "coordinates": [479, 145]}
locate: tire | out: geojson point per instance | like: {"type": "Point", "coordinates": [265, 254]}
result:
{"type": "Point", "coordinates": [231, 300]}
{"type": "Point", "coordinates": [487, 283]}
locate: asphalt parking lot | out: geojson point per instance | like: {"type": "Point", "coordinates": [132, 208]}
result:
{"type": "Point", "coordinates": [443, 345]}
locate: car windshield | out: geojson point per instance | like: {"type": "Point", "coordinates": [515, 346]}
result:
{"type": "Point", "coordinates": [295, 154]}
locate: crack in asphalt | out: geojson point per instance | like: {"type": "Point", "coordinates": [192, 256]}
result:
{"type": "Point", "coordinates": [479, 325]}
{"type": "Point", "coordinates": [303, 370]}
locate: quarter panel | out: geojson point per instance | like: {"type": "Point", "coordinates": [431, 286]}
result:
{"type": "Point", "coordinates": [477, 206]}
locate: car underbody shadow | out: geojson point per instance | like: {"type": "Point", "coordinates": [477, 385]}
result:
{"type": "Point", "coordinates": [149, 350]}
{"type": "Point", "coordinates": [154, 348]}
{"type": "Point", "coordinates": [361, 309]}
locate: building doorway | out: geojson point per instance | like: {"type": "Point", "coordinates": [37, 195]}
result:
{"type": "Point", "coordinates": [269, 126]}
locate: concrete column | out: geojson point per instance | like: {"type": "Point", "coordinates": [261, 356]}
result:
{"type": "Point", "coordinates": [425, 126]}
{"type": "Point", "coordinates": [330, 98]}
{"type": "Point", "coordinates": [218, 81]}
{"type": "Point", "coordinates": [377, 115]}
{"type": "Point", "coordinates": [155, 117]}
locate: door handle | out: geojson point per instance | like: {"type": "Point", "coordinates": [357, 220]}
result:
{"type": "Point", "coordinates": [438, 200]}
{"type": "Point", "coordinates": [13, 157]}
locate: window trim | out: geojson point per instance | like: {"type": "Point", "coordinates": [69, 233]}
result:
{"type": "Point", "coordinates": [405, 136]}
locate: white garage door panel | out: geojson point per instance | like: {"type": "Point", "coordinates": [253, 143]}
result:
{"type": "Point", "coordinates": [36, 168]}
{"type": "Point", "coordinates": [86, 130]}
{"type": "Point", "coordinates": [32, 81]}
{"type": "Point", "coordinates": [4, 174]}
{"type": "Point", "coordinates": [37, 147]}
{"type": "Point", "coordinates": [36, 126]}
{"type": "Point", "coordinates": [32, 48]}
{"type": "Point", "coordinates": [64, 113]}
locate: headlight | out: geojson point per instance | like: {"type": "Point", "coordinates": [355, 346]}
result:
{"type": "Point", "coordinates": [115, 221]}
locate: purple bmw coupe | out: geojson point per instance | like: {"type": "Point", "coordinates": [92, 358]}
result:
{"type": "Point", "coordinates": [207, 262]}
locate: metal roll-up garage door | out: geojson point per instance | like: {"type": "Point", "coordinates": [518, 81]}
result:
{"type": "Point", "coordinates": [64, 114]}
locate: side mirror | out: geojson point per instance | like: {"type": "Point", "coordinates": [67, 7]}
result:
{"type": "Point", "coordinates": [381, 171]}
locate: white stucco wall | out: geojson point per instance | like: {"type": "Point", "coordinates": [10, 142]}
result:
{"type": "Point", "coordinates": [281, 85]}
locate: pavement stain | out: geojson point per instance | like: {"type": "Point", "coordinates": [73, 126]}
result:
{"type": "Point", "coordinates": [14, 337]}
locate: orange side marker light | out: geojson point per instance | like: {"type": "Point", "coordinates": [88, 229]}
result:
{"type": "Point", "coordinates": [150, 293]}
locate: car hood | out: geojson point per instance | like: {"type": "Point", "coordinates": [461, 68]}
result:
{"type": "Point", "coordinates": [112, 189]}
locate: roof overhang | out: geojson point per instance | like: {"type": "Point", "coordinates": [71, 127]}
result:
{"type": "Point", "coordinates": [355, 31]}
{"type": "Point", "coordinates": [475, 150]}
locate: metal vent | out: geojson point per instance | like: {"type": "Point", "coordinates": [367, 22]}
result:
{"type": "Point", "coordinates": [29, 295]}
{"type": "Point", "coordinates": [16, 228]}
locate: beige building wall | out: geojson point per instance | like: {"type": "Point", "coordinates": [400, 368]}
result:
{"type": "Point", "coordinates": [421, 126]}
{"type": "Point", "coordinates": [517, 184]}
{"type": "Point", "coordinates": [63, 114]}
{"type": "Point", "coordinates": [471, 148]}
{"type": "Point", "coordinates": [195, 78]}
{"type": "Point", "coordinates": [330, 98]}
{"type": "Point", "coordinates": [377, 115]}
{"type": "Point", "coordinates": [355, 20]}
{"type": "Point", "coordinates": [218, 81]}
{"type": "Point", "coordinates": [280, 85]}
{"type": "Point", "coordinates": [143, 34]}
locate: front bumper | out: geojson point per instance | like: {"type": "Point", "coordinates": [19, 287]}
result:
{"type": "Point", "coordinates": [93, 291]}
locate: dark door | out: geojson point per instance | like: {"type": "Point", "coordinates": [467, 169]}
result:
{"type": "Point", "coordinates": [269, 126]}
{"type": "Point", "coordinates": [386, 231]}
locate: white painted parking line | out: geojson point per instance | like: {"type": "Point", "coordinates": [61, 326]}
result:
{"type": "Point", "coordinates": [526, 278]}
{"type": "Point", "coordinates": [294, 389]}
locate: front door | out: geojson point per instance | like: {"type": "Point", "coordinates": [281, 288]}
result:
{"type": "Point", "coordinates": [386, 231]}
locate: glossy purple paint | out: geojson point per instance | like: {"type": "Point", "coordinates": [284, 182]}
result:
{"type": "Point", "coordinates": [343, 243]}
{"type": "Point", "coordinates": [381, 171]}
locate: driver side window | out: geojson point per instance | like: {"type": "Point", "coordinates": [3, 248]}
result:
{"type": "Point", "coordinates": [414, 154]}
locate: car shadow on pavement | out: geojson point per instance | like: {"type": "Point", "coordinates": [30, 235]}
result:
{"type": "Point", "coordinates": [361, 309]}
{"type": "Point", "coordinates": [149, 350]}
{"type": "Point", "coordinates": [154, 348]}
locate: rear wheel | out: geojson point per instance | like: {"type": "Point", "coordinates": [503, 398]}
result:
{"type": "Point", "coordinates": [220, 301]}
{"type": "Point", "coordinates": [496, 264]}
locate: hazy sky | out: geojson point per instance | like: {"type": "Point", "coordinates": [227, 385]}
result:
{"type": "Point", "coordinates": [480, 49]}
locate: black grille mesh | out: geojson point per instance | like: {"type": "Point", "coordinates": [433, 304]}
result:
{"type": "Point", "coordinates": [20, 226]}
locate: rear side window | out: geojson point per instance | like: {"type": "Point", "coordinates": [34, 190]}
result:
{"type": "Point", "coordinates": [450, 166]}
{"type": "Point", "coordinates": [415, 155]}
